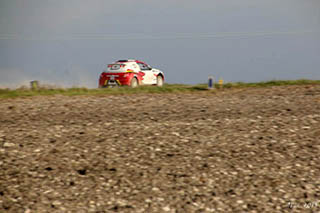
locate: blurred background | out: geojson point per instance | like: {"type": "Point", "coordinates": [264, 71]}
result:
{"type": "Point", "coordinates": [69, 43]}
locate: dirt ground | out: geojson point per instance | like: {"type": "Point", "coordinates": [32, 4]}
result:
{"type": "Point", "coordinates": [238, 150]}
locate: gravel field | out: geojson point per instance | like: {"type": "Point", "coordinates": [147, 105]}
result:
{"type": "Point", "coordinates": [237, 150]}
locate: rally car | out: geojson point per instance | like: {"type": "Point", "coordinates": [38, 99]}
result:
{"type": "Point", "coordinates": [130, 73]}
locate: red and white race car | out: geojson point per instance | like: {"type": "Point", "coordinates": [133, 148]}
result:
{"type": "Point", "coordinates": [130, 73]}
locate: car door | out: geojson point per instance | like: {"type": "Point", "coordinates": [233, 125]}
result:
{"type": "Point", "coordinates": [148, 77]}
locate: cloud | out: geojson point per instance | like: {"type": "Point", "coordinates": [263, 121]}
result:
{"type": "Point", "coordinates": [61, 17]}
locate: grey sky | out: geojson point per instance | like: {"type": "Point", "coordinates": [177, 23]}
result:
{"type": "Point", "coordinates": [70, 42]}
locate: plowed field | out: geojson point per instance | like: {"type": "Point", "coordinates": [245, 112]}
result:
{"type": "Point", "coordinates": [237, 150]}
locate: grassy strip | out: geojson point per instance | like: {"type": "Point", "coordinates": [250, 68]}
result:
{"type": "Point", "coordinates": [168, 88]}
{"type": "Point", "coordinates": [272, 83]}
{"type": "Point", "coordinates": [7, 93]}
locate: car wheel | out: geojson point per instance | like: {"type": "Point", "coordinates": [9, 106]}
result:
{"type": "Point", "coordinates": [134, 83]}
{"type": "Point", "coordinates": [159, 81]}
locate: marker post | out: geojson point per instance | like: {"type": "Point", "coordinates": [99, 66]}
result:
{"type": "Point", "coordinates": [210, 83]}
{"type": "Point", "coordinates": [221, 83]}
{"type": "Point", "coordinates": [34, 85]}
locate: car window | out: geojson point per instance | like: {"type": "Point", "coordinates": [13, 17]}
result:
{"type": "Point", "coordinates": [115, 67]}
{"type": "Point", "coordinates": [143, 66]}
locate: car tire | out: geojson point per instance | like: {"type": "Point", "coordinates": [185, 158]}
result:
{"type": "Point", "coordinates": [134, 83]}
{"type": "Point", "coordinates": [159, 81]}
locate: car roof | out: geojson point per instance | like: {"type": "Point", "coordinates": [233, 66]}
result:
{"type": "Point", "coordinates": [130, 60]}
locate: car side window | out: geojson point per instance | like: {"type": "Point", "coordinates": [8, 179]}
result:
{"type": "Point", "coordinates": [143, 66]}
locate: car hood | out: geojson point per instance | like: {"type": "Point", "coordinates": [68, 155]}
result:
{"type": "Point", "coordinates": [157, 70]}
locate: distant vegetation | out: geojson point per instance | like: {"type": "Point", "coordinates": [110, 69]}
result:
{"type": "Point", "coordinates": [272, 83]}
{"type": "Point", "coordinates": [168, 88]}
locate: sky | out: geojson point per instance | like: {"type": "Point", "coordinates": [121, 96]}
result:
{"type": "Point", "coordinates": [69, 43]}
